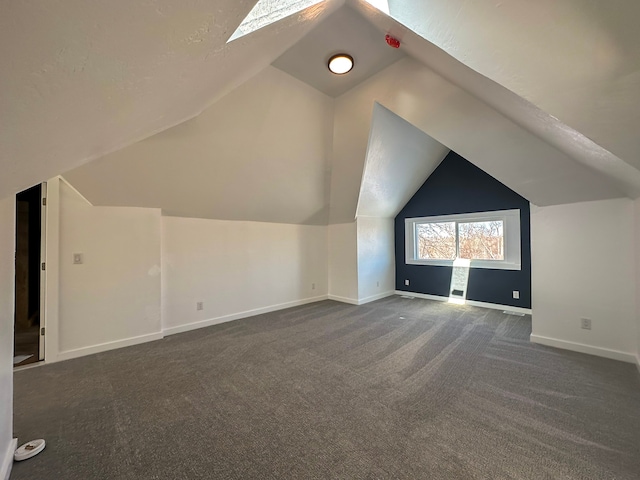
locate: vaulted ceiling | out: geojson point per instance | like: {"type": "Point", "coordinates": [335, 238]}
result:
{"type": "Point", "coordinates": [544, 96]}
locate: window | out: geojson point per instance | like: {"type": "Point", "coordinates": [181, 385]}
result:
{"type": "Point", "coordinates": [266, 12]}
{"type": "Point", "coordinates": [486, 239]}
{"type": "Point", "coordinates": [436, 240]}
{"type": "Point", "coordinates": [481, 240]}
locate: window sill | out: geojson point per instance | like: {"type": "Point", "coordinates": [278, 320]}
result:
{"type": "Point", "coordinates": [487, 264]}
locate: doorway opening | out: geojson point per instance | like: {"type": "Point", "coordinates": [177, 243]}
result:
{"type": "Point", "coordinates": [29, 330]}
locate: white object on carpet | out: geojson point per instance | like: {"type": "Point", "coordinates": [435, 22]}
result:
{"type": "Point", "coordinates": [29, 449]}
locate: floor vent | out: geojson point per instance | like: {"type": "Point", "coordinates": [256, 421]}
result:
{"type": "Point", "coordinates": [509, 312]}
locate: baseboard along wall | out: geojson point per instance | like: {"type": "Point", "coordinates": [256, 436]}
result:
{"type": "Point", "coordinates": [361, 301]}
{"type": "Point", "coordinates": [103, 347]}
{"type": "Point", "coordinates": [588, 349]}
{"type": "Point", "coordinates": [473, 303]}
{"type": "Point", "coordinates": [337, 298]}
{"type": "Point", "coordinates": [373, 298]}
{"type": "Point", "coordinates": [237, 316]}
{"type": "Point", "coordinates": [552, 342]}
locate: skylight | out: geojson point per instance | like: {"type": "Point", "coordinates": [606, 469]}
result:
{"type": "Point", "coordinates": [266, 12]}
{"type": "Point", "coordinates": [382, 5]}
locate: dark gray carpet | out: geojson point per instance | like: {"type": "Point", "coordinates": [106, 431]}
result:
{"type": "Point", "coordinates": [394, 389]}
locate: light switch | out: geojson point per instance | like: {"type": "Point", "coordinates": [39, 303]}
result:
{"type": "Point", "coordinates": [77, 259]}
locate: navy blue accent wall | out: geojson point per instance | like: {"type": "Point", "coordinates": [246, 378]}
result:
{"type": "Point", "coordinates": [458, 186]}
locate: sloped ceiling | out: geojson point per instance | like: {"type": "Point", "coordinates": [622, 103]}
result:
{"type": "Point", "coordinates": [525, 163]}
{"type": "Point", "coordinates": [567, 71]}
{"type": "Point", "coordinates": [260, 153]}
{"type": "Point", "coordinates": [80, 79]}
{"type": "Point", "coordinates": [578, 60]}
{"type": "Point", "coordinates": [77, 89]}
{"type": "Point", "coordinates": [400, 158]}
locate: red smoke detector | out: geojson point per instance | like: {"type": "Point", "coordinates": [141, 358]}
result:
{"type": "Point", "coordinates": [392, 41]}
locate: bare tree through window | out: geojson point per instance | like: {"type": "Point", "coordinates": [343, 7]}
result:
{"type": "Point", "coordinates": [481, 240]}
{"type": "Point", "coordinates": [437, 240]}
{"type": "Point", "coordinates": [476, 240]}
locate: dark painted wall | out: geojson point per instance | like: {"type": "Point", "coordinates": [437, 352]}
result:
{"type": "Point", "coordinates": [458, 186]}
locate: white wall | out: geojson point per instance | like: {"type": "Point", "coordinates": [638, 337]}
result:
{"type": "Point", "coordinates": [113, 298]}
{"type": "Point", "coordinates": [376, 258]}
{"type": "Point", "coordinates": [400, 157]}
{"type": "Point", "coordinates": [7, 269]}
{"type": "Point", "coordinates": [583, 266]}
{"type": "Point", "coordinates": [343, 262]}
{"type": "Point", "coordinates": [237, 269]}
{"type": "Point", "coordinates": [272, 135]}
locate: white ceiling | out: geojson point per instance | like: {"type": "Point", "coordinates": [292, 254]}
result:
{"type": "Point", "coordinates": [345, 31]}
{"type": "Point", "coordinates": [519, 159]}
{"type": "Point", "coordinates": [567, 71]}
{"type": "Point", "coordinates": [578, 60]}
{"type": "Point", "coordinates": [259, 153]}
{"type": "Point", "coordinates": [80, 78]}
{"type": "Point", "coordinates": [544, 96]}
{"type": "Point", "coordinates": [400, 157]}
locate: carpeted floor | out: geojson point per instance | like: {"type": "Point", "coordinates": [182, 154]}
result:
{"type": "Point", "coordinates": [394, 389]}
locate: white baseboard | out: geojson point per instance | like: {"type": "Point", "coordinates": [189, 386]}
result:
{"type": "Point", "coordinates": [473, 303]}
{"type": "Point", "coordinates": [236, 316]}
{"type": "Point", "coordinates": [361, 301]}
{"type": "Point", "coordinates": [103, 347]}
{"type": "Point", "coordinates": [7, 460]}
{"type": "Point", "coordinates": [352, 301]}
{"type": "Point", "coordinates": [373, 298]}
{"type": "Point", "coordinates": [582, 348]}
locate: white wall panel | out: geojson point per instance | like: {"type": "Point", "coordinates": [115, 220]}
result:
{"type": "Point", "coordinates": [376, 258]}
{"type": "Point", "coordinates": [113, 297]}
{"type": "Point", "coordinates": [238, 269]}
{"type": "Point", "coordinates": [583, 266]}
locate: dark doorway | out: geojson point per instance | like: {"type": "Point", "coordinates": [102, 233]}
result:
{"type": "Point", "coordinates": [27, 341]}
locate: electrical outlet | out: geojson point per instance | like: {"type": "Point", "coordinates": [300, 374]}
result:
{"type": "Point", "coordinates": [516, 294]}
{"type": "Point", "coordinates": [77, 259]}
{"type": "Point", "coordinates": [199, 305]}
{"type": "Point", "coordinates": [585, 323]}
{"type": "Point", "coordinates": [406, 282]}
{"type": "Point", "coordinates": [313, 286]}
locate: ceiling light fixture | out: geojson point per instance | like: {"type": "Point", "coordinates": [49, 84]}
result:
{"type": "Point", "coordinates": [341, 63]}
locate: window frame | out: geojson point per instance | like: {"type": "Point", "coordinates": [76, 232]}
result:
{"type": "Point", "coordinates": [511, 234]}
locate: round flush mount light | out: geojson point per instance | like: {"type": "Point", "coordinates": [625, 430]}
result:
{"type": "Point", "coordinates": [341, 63]}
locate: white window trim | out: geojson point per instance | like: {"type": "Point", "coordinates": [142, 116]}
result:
{"type": "Point", "coordinates": [511, 226]}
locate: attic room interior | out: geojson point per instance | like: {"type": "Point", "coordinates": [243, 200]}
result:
{"type": "Point", "coordinates": [252, 267]}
